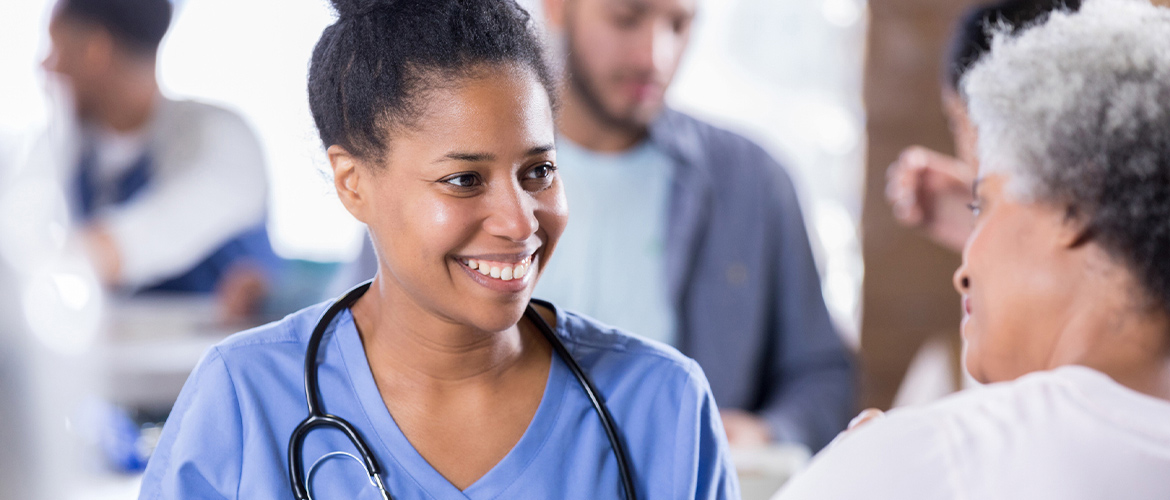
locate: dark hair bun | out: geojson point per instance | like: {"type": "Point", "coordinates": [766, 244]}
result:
{"type": "Point", "coordinates": [355, 8]}
{"type": "Point", "coordinates": [371, 68]}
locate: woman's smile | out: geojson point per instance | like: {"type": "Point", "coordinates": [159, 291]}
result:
{"type": "Point", "coordinates": [508, 273]}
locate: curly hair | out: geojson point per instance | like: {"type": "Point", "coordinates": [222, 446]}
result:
{"type": "Point", "coordinates": [974, 31]}
{"type": "Point", "coordinates": [373, 67]}
{"type": "Point", "coordinates": [1078, 112]}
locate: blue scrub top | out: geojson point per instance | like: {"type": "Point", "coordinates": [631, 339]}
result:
{"type": "Point", "coordinates": [227, 436]}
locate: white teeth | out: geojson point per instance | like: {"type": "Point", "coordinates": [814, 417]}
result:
{"type": "Point", "coordinates": [500, 270]}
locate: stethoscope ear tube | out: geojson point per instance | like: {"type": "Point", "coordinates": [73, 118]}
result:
{"type": "Point", "coordinates": [607, 422]}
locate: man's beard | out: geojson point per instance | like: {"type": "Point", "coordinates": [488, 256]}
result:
{"type": "Point", "coordinates": [582, 86]}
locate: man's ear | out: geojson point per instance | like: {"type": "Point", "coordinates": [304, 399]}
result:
{"type": "Point", "coordinates": [554, 14]}
{"type": "Point", "coordinates": [348, 178]}
{"type": "Point", "coordinates": [99, 48]}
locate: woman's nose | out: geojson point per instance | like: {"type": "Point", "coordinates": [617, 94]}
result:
{"type": "Point", "coordinates": [513, 214]}
{"type": "Point", "coordinates": [961, 281]}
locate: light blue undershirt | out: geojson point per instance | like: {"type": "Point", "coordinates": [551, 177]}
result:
{"type": "Point", "coordinates": [609, 263]}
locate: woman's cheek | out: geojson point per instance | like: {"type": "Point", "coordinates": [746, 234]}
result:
{"type": "Point", "coordinates": [443, 224]}
{"type": "Point", "coordinates": [556, 210]}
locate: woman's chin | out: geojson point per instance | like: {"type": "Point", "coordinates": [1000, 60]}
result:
{"type": "Point", "coordinates": [972, 362]}
{"type": "Point", "coordinates": [497, 317]}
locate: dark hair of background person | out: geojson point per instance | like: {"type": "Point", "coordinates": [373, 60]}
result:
{"type": "Point", "coordinates": [374, 66]}
{"type": "Point", "coordinates": [972, 38]}
{"type": "Point", "coordinates": [137, 25]}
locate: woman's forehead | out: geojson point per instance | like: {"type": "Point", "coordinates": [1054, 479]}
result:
{"type": "Point", "coordinates": [499, 115]}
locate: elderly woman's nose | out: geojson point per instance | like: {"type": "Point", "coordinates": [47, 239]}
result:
{"type": "Point", "coordinates": [512, 214]}
{"type": "Point", "coordinates": [961, 281]}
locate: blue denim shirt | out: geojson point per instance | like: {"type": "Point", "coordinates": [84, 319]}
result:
{"type": "Point", "coordinates": [745, 287]}
{"type": "Point", "coordinates": [743, 284]}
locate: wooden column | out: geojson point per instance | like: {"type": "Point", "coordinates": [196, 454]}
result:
{"type": "Point", "coordinates": [908, 292]}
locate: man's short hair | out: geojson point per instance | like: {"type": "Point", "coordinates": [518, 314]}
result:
{"type": "Point", "coordinates": [138, 25]}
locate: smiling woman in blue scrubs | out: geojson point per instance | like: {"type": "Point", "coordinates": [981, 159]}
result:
{"type": "Point", "coordinates": [437, 117]}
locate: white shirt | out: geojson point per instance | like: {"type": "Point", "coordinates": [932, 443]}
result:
{"type": "Point", "coordinates": [609, 263]}
{"type": "Point", "coordinates": [209, 183]}
{"type": "Point", "coordinates": [1070, 433]}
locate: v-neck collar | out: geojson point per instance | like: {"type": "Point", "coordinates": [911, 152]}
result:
{"type": "Point", "coordinates": [397, 448]}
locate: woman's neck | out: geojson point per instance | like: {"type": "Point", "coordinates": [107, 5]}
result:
{"type": "Point", "coordinates": [413, 346]}
{"type": "Point", "coordinates": [1129, 344]}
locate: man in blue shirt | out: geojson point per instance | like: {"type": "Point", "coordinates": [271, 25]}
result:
{"type": "Point", "coordinates": [700, 243]}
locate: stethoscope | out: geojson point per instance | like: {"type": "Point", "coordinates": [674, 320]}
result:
{"type": "Point", "coordinates": [318, 418]}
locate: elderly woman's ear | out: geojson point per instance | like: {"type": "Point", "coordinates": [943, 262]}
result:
{"type": "Point", "coordinates": [1078, 228]}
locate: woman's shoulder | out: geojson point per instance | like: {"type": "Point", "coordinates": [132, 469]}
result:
{"type": "Point", "coordinates": [589, 333]}
{"type": "Point", "coordinates": [285, 337]}
{"type": "Point", "coordinates": [594, 343]}
{"type": "Point", "coordinates": [1040, 407]}
{"type": "Point", "coordinates": [1033, 398]}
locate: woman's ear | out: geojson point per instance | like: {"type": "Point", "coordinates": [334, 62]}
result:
{"type": "Point", "coordinates": [348, 180]}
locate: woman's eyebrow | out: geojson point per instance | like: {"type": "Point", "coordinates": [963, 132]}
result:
{"type": "Point", "coordinates": [539, 150]}
{"type": "Point", "coordinates": [466, 156]}
{"type": "Point", "coordinates": [487, 157]}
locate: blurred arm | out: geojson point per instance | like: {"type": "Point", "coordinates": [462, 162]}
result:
{"type": "Point", "coordinates": [931, 191]}
{"type": "Point", "coordinates": [219, 189]}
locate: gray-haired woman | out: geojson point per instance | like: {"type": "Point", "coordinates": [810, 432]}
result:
{"type": "Point", "coordinates": [1065, 283]}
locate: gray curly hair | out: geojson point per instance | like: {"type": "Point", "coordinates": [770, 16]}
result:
{"type": "Point", "coordinates": [1077, 110]}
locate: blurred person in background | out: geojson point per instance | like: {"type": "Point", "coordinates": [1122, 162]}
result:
{"type": "Point", "coordinates": [167, 195]}
{"type": "Point", "coordinates": [1065, 282]}
{"type": "Point", "coordinates": [930, 190]}
{"type": "Point", "coordinates": [685, 233]}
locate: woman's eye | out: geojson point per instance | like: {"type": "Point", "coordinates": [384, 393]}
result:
{"type": "Point", "coordinates": [975, 207]}
{"type": "Point", "coordinates": [463, 180]}
{"type": "Point", "coordinates": [542, 171]}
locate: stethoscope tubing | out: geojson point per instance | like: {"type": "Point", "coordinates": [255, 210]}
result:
{"type": "Point", "coordinates": [318, 418]}
{"type": "Point", "coordinates": [607, 422]}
